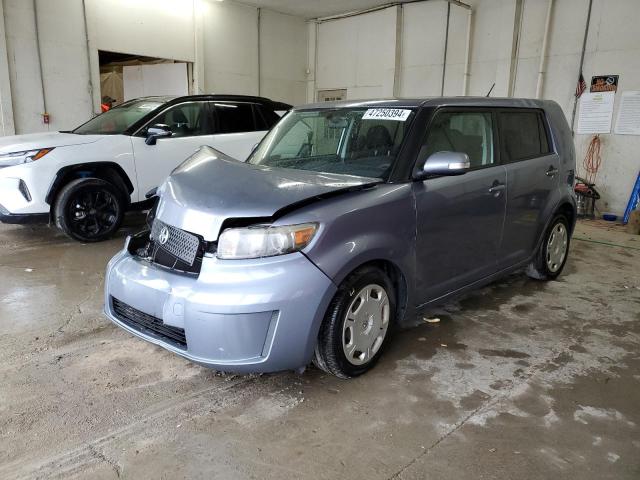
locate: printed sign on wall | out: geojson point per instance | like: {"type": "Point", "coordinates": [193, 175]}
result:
{"type": "Point", "coordinates": [604, 83]}
{"type": "Point", "coordinates": [628, 122]}
{"type": "Point", "coordinates": [596, 111]}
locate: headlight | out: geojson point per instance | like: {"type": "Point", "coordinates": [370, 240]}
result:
{"type": "Point", "coordinates": [17, 158]}
{"type": "Point", "coordinates": [264, 241]}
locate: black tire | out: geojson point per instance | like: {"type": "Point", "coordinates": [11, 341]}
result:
{"type": "Point", "coordinates": [540, 268]}
{"type": "Point", "coordinates": [89, 209]}
{"type": "Point", "coordinates": [329, 354]}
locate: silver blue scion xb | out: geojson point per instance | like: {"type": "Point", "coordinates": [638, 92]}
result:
{"type": "Point", "coordinates": [346, 221]}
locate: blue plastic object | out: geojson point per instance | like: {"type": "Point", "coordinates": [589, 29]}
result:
{"type": "Point", "coordinates": [634, 200]}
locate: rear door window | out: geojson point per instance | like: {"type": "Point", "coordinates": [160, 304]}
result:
{"type": "Point", "coordinates": [234, 117]}
{"type": "Point", "coordinates": [523, 135]}
{"type": "Point", "coordinates": [465, 132]}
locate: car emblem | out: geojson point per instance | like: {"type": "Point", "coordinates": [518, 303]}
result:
{"type": "Point", "coordinates": [164, 236]}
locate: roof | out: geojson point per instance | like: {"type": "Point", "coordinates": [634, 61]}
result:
{"type": "Point", "coordinates": [430, 102]}
{"type": "Point", "coordinates": [218, 97]}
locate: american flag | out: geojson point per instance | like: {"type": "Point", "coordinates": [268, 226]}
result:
{"type": "Point", "coordinates": [581, 87]}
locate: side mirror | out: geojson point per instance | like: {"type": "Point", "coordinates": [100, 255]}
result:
{"type": "Point", "coordinates": [444, 164]}
{"type": "Point", "coordinates": [157, 131]}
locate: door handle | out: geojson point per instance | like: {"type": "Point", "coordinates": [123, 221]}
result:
{"type": "Point", "coordinates": [496, 189]}
{"type": "Point", "coordinates": [551, 172]}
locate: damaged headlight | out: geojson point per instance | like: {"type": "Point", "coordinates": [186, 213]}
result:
{"type": "Point", "coordinates": [264, 241]}
{"type": "Point", "coordinates": [16, 158]}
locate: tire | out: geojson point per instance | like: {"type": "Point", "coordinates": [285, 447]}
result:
{"type": "Point", "coordinates": [375, 315]}
{"type": "Point", "coordinates": [89, 209]}
{"type": "Point", "coordinates": [552, 254]}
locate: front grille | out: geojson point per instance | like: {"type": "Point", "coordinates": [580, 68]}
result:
{"type": "Point", "coordinates": [148, 324]}
{"type": "Point", "coordinates": [180, 244]}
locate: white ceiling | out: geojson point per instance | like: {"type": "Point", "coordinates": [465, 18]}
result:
{"type": "Point", "coordinates": [316, 8]}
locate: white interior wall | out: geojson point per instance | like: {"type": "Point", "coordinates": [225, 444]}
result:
{"type": "Point", "coordinates": [423, 34]}
{"type": "Point", "coordinates": [22, 64]}
{"type": "Point", "coordinates": [358, 53]}
{"type": "Point", "coordinates": [614, 48]}
{"type": "Point", "coordinates": [221, 38]}
{"type": "Point", "coordinates": [230, 48]}
{"type": "Point", "coordinates": [152, 28]}
{"type": "Point", "coordinates": [345, 61]}
{"type": "Point", "coordinates": [423, 44]}
{"type": "Point", "coordinates": [283, 57]}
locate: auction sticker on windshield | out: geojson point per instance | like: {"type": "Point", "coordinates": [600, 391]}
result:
{"type": "Point", "coordinates": [397, 114]}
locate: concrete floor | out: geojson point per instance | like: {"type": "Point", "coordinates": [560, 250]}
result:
{"type": "Point", "coordinates": [520, 380]}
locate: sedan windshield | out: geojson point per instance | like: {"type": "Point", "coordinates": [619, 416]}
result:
{"type": "Point", "coordinates": [352, 141]}
{"type": "Point", "coordinates": [118, 119]}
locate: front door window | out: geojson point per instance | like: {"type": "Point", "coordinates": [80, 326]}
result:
{"type": "Point", "coordinates": [186, 119]}
{"type": "Point", "coordinates": [466, 132]}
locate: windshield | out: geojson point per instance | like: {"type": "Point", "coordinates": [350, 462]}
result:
{"type": "Point", "coordinates": [118, 119]}
{"type": "Point", "coordinates": [352, 141]}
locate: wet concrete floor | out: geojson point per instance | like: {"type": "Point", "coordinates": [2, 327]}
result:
{"type": "Point", "coordinates": [519, 380]}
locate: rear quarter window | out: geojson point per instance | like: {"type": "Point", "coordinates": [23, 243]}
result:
{"type": "Point", "coordinates": [234, 117]}
{"type": "Point", "coordinates": [524, 135]}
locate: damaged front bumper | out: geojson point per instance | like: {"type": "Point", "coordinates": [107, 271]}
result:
{"type": "Point", "coordinates": [259, 315]}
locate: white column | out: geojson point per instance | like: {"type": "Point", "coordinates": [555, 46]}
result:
{"type": "Point", "coordinates": [7, 126]}
{"type": "Point", "coordinates": [312, 60]}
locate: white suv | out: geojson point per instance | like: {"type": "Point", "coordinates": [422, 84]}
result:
{"type": "Point", "coordinates": [84, 180]}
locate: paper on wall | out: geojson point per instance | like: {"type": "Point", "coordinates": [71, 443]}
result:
{"type": "Point", "coordinates": [596, 112]}
{"type": "Point", "coordinates": [628, 120]}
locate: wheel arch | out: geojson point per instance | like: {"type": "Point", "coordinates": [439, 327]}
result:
{"type": "Point", "coordinates": [567, 209]}
{"type": "Point", "coordinates": [397, 277]}
{"type": "Point", "coordinates": [108, 171]}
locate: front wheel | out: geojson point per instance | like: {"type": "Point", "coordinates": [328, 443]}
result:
{"type": "Point", "coordinates": [89, 209]}
{"type": "Point", "coordinates": [552, 254]}
{"type": "Point", "coordinates": [357, 324]}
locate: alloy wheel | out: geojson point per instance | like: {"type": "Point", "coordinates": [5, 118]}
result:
{"type": "Point", "coordinates": [92, 213]}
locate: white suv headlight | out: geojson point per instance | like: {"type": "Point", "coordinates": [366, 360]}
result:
{"type": "Point", "coordinates": [17, 158]}
{"type": "Point", "coordinates": [264, 241]}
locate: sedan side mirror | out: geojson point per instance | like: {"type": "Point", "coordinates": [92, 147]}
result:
{"type": "Point", "coordinates": [444, 164]}
{"type": "Point", "coordinates": [157, 131]}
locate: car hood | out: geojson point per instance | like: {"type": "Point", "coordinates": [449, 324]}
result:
{"type": "Point", "coordinates": [33, 141]}
{"type": "Point", "coordinates": [211, 187]}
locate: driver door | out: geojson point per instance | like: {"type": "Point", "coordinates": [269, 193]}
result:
{"type": "Point", "coordinates": [191, 124]}
{"type": "Point", "coordinates": [459, 218]}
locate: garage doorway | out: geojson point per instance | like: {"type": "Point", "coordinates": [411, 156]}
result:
{"type": "Point", "coordinates": [124, 77]}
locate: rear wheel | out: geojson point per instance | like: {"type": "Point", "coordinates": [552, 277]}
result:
{"type": "Point", "coordinates": [357, 324]}
{"type": "Point", "coordinates": [552, 254]}
{"type": "Point", "coordinates": [89, 209]}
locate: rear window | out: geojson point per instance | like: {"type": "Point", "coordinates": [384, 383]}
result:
{"type": "Point", "coordinates": [234, 117]}
{"type": "Point", "coordinates": [524, 135]}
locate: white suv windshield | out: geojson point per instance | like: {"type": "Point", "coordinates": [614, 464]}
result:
{"type": "Point", "coordinates": [351, 141]}
{"type": "Point", "coordinates": [118, 119]}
